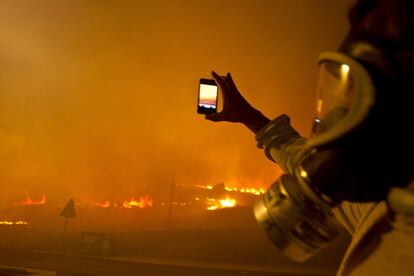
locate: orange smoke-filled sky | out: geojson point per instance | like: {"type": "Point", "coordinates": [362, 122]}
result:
{"type": "Point", "coordinates": [98, 97]}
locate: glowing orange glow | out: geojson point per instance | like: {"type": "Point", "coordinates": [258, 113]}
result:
{"type": "Point", "coordinates": [345, 69]}
{"type": "Point", "coordinates": [208, 187]}
{"type": "Point", "coordinates": [246, 190]}
{"type": "Point", "coordinates": [19, 222]}
{"type": "Point", "coordinates": [103, 204]}
{"type": "Point", "coordinates": [104, 124]}
{"type": "Point", "coordinates": [214, 204]}
{"type": "Point", "coordinates": [142, 202]}
{"type": "Point", "coordinates": [227, 202]}
{"type": "Point", "coordinates": [31, 201]}
{"type": "Point", "coordinates": [255, 191]}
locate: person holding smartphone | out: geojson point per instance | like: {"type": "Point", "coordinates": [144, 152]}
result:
{"type": "Point", "coordinates": [356, 166]}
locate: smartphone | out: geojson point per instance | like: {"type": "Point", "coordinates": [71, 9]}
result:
{"type": "Point", "coordinates": [207, 97]}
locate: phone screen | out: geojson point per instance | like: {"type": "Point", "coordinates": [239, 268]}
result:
{"type": "Point", "coordinates": [207, 97]}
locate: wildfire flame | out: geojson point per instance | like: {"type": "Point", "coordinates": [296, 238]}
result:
{"type": "Point", "coordinates": [247, 190]}
{"type": "Point", "coordinates": [19, 222]}
{"type": "Point", "coordinates": [208, 187]}
{"type": "Point", "coordinates": [214, 204]}
{"type": "Point", "coordinates": [31, 201]}
{"type": "Point", "coordinates": [142, 202]}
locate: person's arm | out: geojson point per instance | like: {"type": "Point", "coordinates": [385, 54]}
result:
{"type": "Point", "coordinates": [281, 143]}
{"type": "Point", "coordinates": [278, 138]}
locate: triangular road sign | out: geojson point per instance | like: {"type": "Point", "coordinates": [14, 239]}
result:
{"type": "Point", "coordinates": [69, 210]}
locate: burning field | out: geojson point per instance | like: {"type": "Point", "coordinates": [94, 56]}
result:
{"type": "Point", "coordinates": [38, 222]}
{"type": "Point", "coordinates": [139, 224]}
{"type": "Point", "coordinates": [186, 206]}
{"type": "Point", "coordinates": [200, 223]}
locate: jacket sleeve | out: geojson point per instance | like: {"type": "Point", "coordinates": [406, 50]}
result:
{"type": "Point", "coordinates": [281, 143]}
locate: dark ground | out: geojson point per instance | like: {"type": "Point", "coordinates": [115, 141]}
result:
{"type": "Point", "coordinates": [228, 244]}
{"type": "Point", "coordinates": [67, 264]}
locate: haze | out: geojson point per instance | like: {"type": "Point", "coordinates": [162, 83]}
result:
{"type": "Point", "coordinates": [98, 98]}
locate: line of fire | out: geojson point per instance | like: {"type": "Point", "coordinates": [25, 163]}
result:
{"type": "Point", "coordinates": [188, 206]}
{"type": "Point", "coordinates": [194, 222]}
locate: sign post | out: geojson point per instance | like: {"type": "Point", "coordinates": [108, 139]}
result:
{"type": "Point", "coordinates": [67, 212]}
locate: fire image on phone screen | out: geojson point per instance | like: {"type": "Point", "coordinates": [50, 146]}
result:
{"type": "Point", "coordinates": [207, 99]}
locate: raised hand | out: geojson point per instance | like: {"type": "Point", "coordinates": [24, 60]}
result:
{"type": "Point", "coordinates": [235, 107]}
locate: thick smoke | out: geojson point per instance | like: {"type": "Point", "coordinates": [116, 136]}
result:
{"type": "Point", "coordinates": [98, 98]}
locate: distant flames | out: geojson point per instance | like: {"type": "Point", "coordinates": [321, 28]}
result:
{"type": "Point", "coordinates": [30, 201]}
{"type": "Point", "coordinates": [214, 204]}
{"type": "Point", "coordinates": [227, 202]}
{"type": "Point", "coordinates": [142, 202]}
{"type": "Point", "coordinates": [19, 222]}
{"type": "Point", "coordinates": [147, 201]}
{"type": "Point", "coordinates": [247, 190]}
